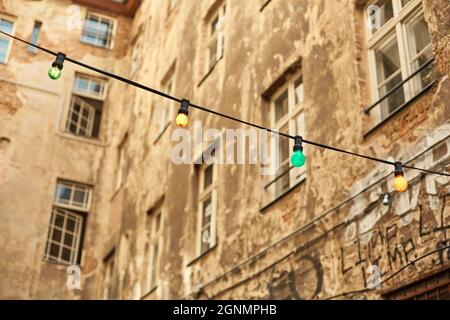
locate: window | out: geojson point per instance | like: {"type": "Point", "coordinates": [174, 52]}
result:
{"type": "Point", "coordinates": [207, 206]}
{"type": "Point", "coordinates": [35, 36]}
{"type": "Point", "coordinates": [216, 37]}
{"type": "Point", "coordinates": [70, 207]}
{"type": "Point", "coordinates": [435, 287]}
{"type": "Point", "coordinates": [399, 45]}
{"type": "Point", "coordinates": [98, 31]}
{"type": "Point", "coordinates": [108, 264]}
{"type": "Point", "coordinates": [5, 42]}
{"type": "Point", "coordinates": [288, 116]}
{"type": "Point", "coordinates": [153, 247]}
{"type": "Point", "coordinates": [86, 106]}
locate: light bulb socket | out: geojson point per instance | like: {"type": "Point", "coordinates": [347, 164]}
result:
{"type": "Point", "coordinates": [184, 108]}
{"type": "Point", "coordinates": [298, 143]}
{"type": "Point", "coordinates": [398, 169]}
{"type": "Point", "coordinates": [59, 61]}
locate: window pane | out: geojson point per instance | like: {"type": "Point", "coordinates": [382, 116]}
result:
{"type": "Point", "coordinates": [421, 52]}
{"type": "Point", "coordinates": [395, 99]}
{"type": "Point", "coordinates": [387, 60]}
{"type": "Point", "coordinates": [208, 179]}
{"type": "Point", "coordinates": [97, 31]}
{"type": "Point", "coordinates": [63, 193]}
{"type": "Point", "coordinates": [6, 26]}
{"type": "Point", "coordinates": [405, 2]}
{"type": "Point", "coordinates": [386, 11]}
{"type": "Point", "coordinates": [62, 244]}
{"type": "Point", "coordinates": [281, 106]}
{"type": "Point", "coordinates": [299, 91]}
{"type": "Point", "coordinates": [56, 235]}
{"type": "Point", "coordinates": [207, 210]}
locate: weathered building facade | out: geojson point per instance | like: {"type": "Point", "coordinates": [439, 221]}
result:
{"type": "Point", "coordinates": [86, 163]}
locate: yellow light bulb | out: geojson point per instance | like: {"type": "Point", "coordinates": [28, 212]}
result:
{"type": "Point", "coordinates": [182, 120]}
{"type": "Point", "coordinates": [400, 183]}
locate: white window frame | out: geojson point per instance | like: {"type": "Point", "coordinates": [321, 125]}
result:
{"type": "Point", "coordinates": [113, 30]}
{"type": "Point", "coordinates": [8, 50]}
{"type": "Point", "coordinates": [217, 38]}
{"type": "Point", "coordinates": [90, 120]}
{"type": "Point", "coordinates": [77, 98]}
{"type": "Point", "coordinates": [204, 194]}
{"type": "Point", "coordinates": [395, 27]}
{"type": "Point", "coordinates": [90, 79]}
{"type": "Point", "coordinates": [291, 118]}
{"type": "Point", "coordinates": [155, 240]}
{"type": "Point", "coordinates": [77, 213]}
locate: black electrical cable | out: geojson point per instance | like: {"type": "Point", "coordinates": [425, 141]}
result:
{"type": "Point", "coordinates": [165, 95]}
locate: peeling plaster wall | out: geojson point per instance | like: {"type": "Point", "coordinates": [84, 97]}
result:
{"type": "Point", "coordinates": [259, 48]}
{"type": "Point", "coordinates": [332, 245]}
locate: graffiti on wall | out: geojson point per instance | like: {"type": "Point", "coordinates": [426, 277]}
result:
{"type": "Point", "coordinates": [397, 240]}
{"type": "Point", "coordinates": [304, 282]}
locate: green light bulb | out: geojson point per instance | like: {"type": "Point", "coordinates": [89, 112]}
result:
{"type": "Point", "coordinates": [298, 159]}
{"type": "Point", "coordinates": [54, 73]}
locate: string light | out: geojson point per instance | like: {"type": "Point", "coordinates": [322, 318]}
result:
{"type": "Point", "coordinates": [182, 117]}
{"type": "Point", "coordinates": [400, 182]}
{"type": "Point", "coordinates": [56, 70]}
{"type": "Point", "coordinates": [298, 159]}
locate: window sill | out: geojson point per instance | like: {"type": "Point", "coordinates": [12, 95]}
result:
{"type": "Point", "coordinates": [198, 258]}
{"type": "Point", "coordinates": [400, 108]}
{"type": "Point", "coordinates": [211, 69]}
{"type": "Point", "coordinates": [281, 196]}
{"type": "Point", "coordinates": [94, 142]}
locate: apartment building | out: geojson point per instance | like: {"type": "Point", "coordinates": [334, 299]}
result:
{"type": "Point", "coordinates": [90, 190]}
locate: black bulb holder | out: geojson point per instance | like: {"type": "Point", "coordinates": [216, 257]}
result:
{"type": "Point", "coordinates": [399, 169]}
{"type": "Point", "coordinates": [59, 61]}
{"type": "Point", "coordinates": [298, 143]}
{"type": "Point", "coordinates": [184, 108]}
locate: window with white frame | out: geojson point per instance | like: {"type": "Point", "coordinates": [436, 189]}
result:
{"type": "Point", "coordinates": [207, 208]}
{"type": "Point", "coordinates": [216, 37]}
{"type": "Point", "coordinates": [7, 26]}
{"type": "Point", "coordinates": [399, 45]}
{"type": "Point", "coordinates": [153, 248]}
{"type": "Point", "coordinates": [98, 30]}
{"type": "Point", "coordinates": [86, 106]}
{"type": "Point", "coordinates": [288, 116]}
{"type": "Point", "coordinates": [70, 208]}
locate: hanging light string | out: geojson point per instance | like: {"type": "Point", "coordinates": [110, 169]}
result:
{"type": "Point", "coordinates": [396, 164]}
